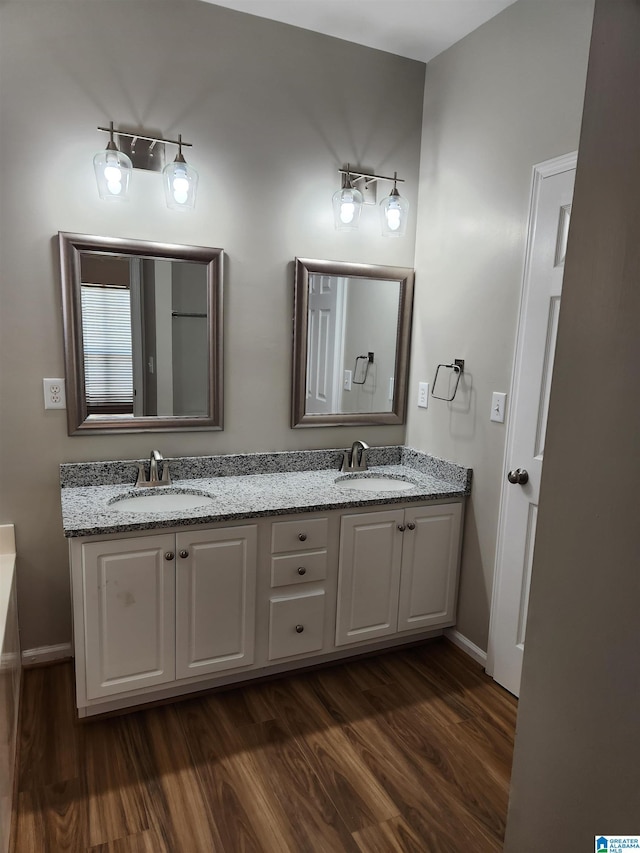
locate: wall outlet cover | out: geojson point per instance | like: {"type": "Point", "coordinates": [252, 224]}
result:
{"type": "Point", "coordinates": [423, 395]}
{"type": "Point", "coordinates": [54, 394]}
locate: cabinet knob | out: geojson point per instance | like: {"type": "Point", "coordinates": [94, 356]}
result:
{"type": "Point", "coordinates": [169, 555]}
{"type": "Point", "coordinates": [302, 537]}
{"type": "Point", "coordinates": [411, 525]}
{"type": "Point", "coordinates": [401, 528]}
{"type": "Point", "coordinates": [184, 553]}
{"type": "Point", "coordinates": [299, 629]}
{"type": "Point", "coordinates": [302, 570]}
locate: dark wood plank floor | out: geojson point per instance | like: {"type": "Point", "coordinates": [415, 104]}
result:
{"type": "Point", "coordinates": [408, 751]}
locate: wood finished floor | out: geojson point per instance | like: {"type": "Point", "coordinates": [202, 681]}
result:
{"type": "Point", "coordinates": [409, 751]}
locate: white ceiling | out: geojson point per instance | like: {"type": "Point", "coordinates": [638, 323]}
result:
{"type": "Point", "coordinates": [419, 29]}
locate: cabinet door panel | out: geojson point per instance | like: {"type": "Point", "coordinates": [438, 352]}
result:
{"type": "Point", "coordinates": [296, 625]}
{"type": "Point", "coordinates": [215, 600]}
{"type": "Point", "coordinates": [429, 575]}
{"type": "Point", "coordinates": [368, 579]}
{"type": "Point", "coordinates": [129, 614]}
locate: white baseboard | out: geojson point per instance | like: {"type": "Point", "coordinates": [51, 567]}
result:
{"type": "Point", "coordinates": [46, 654]}
{"type": "Point", "coordinates": [466, 645]}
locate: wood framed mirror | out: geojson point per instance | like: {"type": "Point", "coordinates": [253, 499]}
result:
{"type": "Point", "coordinates": [142, 335]}
{"type": "Point", "coordinates": [351, 337]}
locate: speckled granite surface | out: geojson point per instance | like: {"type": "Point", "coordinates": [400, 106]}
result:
{"type": "Point", "coordinates": [301, 482]}
{"type": "Point", "coordinates": [232, 465]}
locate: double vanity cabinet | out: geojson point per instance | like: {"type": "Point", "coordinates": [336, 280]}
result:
{"type": "Point", "coordinates": [165, 611]}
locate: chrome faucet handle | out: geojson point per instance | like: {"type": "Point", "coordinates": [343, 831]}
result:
{"type": "Point", "coordinates": [346, 461]}
{"type": "Point", "coordinates": [154, 480]}
{"type": "Point", "coordinates": [359, 455]}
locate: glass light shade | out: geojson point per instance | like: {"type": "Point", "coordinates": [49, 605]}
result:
{"type": "Point", "coordinates": [347, 204]}
{"type": "Point", "coordinates": [180, 184]}
{"type": "Point", "coordinates": [113, 173]}
{"type": "Point", "coordinates": [394, 212]}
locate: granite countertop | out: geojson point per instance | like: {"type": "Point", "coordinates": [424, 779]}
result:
{"type": "Point", "coordinates": [265, 484]}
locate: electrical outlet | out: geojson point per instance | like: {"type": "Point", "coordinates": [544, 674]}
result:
{"type": "Point", "coordinates": [423, 395]}
{"type": "Point", "coordinates": [346, 382]}
{"type": "Point", "coordinates": [498, 403]}
{"type": "Point", "coordinates": [54, 396]}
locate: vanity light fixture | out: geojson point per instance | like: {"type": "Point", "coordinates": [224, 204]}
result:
{"type": "Point", "coordinates": [180, 182]}
{"type": "Point", "coordinates": [394, 212]}
{"type": "Point", "coordinates": [113, 170]}
{"type": "Point", "coordinates": [347, 204]}
{"type": "Point", "coordinates": [114, 166]}
{"type": "Point", "coordinates": [359, 188]}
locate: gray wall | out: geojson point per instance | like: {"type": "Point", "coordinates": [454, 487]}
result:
{"type": "Point", "coordinates": [576, 768]}
{"type": "Point", "coordinates": [272, 113]}
{"type": "Point", "coordinates": [503, 99]}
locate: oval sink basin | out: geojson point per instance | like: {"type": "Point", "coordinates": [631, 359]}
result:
{"type": "Point", "coordinates": [161, 502]}
{"type": "Point", "coordinates": [374, 483]}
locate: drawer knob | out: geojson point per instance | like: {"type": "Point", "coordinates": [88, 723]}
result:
{"type": "Point", "coordinates": [299, 629]}
{"type": "Point", "coordinates": [169, 555]}
{"type": "Point", "coordinates": [302, 537]}
{"type": "Point", "coordinates": [302, 570]}
{"type": "Point", "coordinates": [184, 553]}
{"type": "Point", "coordinates": [401, 528]}
{"type": "Point", "coordinates": [411, 525]}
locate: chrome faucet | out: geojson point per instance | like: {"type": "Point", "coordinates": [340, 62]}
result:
{"type": "Point", "coordinates": [356, 459]}
{"type": "Point", "coordinates": [154, 480]}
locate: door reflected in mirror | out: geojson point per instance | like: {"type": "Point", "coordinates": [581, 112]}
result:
{"type": "Point", "coordinates": [142, 335]}
{"type": "Point", "coordinates": [351, 341]}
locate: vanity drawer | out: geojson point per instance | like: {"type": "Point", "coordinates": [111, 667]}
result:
{"type": "Point", "coordinates": [296, 625]}
{"type": "Point", "coordinates": [299, 568]}
{"type": "Point", "coordinates": [303, 534]}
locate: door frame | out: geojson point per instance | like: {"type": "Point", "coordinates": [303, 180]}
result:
{"type": "Point", "coordinates": [540, 171]}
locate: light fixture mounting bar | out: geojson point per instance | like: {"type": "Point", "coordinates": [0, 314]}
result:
{"type": "Point", "coordinates": [148, 138]}
{"type": "Point", "coordinates": [365, 175]}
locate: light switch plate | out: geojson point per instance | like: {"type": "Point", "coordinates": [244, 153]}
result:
{"type": "Point", "coordinates": [498, 404]}
{"type": "Point", "coordinates": [346, 380]}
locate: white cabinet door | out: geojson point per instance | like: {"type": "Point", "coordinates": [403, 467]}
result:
{"type": "Point", "coordinates": [129, 608]}
{"type": "Point", "coordinates": [215, 599]}
{"type": "Point", "coordinates": [296, 624]}
{"type": "Point", "coordinates": [430, 553]}
{"type": "Point", "coordinates": [369, 576]}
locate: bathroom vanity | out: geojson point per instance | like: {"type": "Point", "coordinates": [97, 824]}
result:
{"type": "Point", "coordinates": [284, 565]}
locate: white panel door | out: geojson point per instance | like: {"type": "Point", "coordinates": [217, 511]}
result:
{"type": "Point", "coordinates": [547, 243]}
{"type": "Point", "coordinates": [323, 326]}
{"type": "Point", "coordinates": [369, 576]}
{"type": "Point", "coordinates": [215, 599]}
{"type": "Point", "coordinates": [129, 601]}
{"type": "Point", "coordinates": [428, 580]}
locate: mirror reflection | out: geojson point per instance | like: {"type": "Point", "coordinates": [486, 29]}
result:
{"type": "Point", "coordinates": [351, 336]}
{"type": "Point", "coordinates": [142, 335]}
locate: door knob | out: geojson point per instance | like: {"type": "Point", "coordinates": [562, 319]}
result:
{"type": "Point", "coordinates": [518, 476]}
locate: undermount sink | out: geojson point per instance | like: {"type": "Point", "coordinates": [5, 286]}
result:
{"type": "Point", "coordinates": [160, 501]}
{"type": "Point", "coordinates": [373, 483]}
